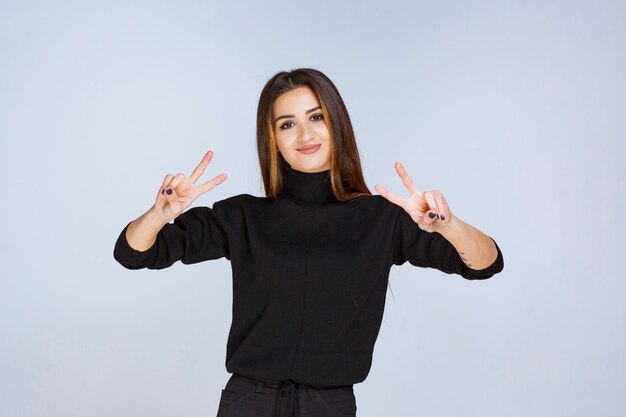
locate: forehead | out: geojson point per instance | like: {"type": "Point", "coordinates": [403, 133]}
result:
{"type": "Point", "coordinates": [299, 99]}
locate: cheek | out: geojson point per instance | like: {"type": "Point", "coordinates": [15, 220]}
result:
{"type": "Point", "coordinates": [282, 141]}
{"type": "Point", "coordinates": [322, 131]}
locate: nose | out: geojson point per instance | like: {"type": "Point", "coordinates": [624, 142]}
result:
{"type": "Point", "coordinates": [305, 133]}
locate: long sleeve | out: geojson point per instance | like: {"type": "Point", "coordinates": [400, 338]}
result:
{"type": "Point", "coordinates": [432, 250]}
{"type": "Point", "coordinates": [196, 235]}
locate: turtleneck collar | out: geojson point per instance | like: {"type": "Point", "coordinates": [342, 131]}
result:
{"type": "Point", "coordinates": [308, 187]}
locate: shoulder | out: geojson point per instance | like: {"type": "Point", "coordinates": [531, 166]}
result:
{"type": "Point", "coordinates": [241, 200]}
{"type": "Point", "coordinates": [228, 211]}
{"type": "Point", "coordinates": [229, 205]}
{"type": "Point", "coordinates": [373, 208]}
{"type": "Point", "coordinates": [237, 205]}
{"type": "Point", "coordinates": [375, 202]}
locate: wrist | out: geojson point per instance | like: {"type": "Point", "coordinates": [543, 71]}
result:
{"type": "Point", "coordinates": [449, 227]}
{"type": "Point", "coordinates": [157, 217]}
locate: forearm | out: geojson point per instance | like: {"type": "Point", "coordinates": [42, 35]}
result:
{"type": "Point", "coordinates": [141, 233]}
{"type": "Point", "coordinates": [477, 250]}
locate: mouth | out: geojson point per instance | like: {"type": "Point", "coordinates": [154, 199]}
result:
{"type": "Point", "coordinates": [309, 148]}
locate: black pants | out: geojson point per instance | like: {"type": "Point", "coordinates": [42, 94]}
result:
{"type": "Point", "coordinates": [246, 396]}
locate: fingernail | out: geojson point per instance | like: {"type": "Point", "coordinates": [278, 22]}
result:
{"type": "Point", "coordinates": [162, 191]}
{"type": "Point", "coordinates": [443, 217]}
{"type": "Point", "coordinates": [432, 215]}
{"type": "Point", "coordinates": [168, 191]}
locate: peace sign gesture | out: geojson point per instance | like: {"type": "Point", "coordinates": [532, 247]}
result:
{"type": "Point", "coordinates": [177, 192]}
{"type": "Point", "coordinates": [428, 209]}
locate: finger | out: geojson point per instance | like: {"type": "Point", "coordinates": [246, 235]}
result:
{"type": "Point", "coordinates": [436, 194]}
{"type": "Point", "coordinates": [177, 180]}
{"type": "Point", "coordinates": [393, 197]}
{"type": "Point", "coordinates": [209, 185]}
{"type": "Point", "coordinates": [446, 206]}
{"type": "Point", "coordinates": [197, 173]}
{"type": "Point", "coordinates": [406, 180]}
{"type": "Point", "coordinates": [171, 196]}
{"type": "Point", "coordinates": [166, 181]}
{"type": "Point", "coordinates": [440, 205]}
{"type": "Point", "coordinates": [432, 205]}
{"type": "Point", "coordinates": [446, 209]}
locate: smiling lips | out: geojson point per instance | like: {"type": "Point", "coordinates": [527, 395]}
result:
{"type": "Point", "coordinates": [309, 148]}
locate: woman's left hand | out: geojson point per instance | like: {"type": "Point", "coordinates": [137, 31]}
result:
{"type": "Point", "coordinates": [428, 209]}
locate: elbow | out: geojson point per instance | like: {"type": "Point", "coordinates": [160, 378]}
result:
{"type": "Point", "coordinates": [127, 256]}
{"type": "Point", "coordinates": [123, 260]}
{"type": "Point", "coordinates": [465, 270]}
{"type": "Point", "coordinates": [495, 268]}
{"type": "Point", "coordinates": [480, 275]}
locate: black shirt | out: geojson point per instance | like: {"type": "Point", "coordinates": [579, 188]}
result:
{"type": "Point", "coordinates": [309, 274]}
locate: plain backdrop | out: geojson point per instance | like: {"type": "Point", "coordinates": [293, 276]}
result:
{"type": "Point", "coordinates": [516, 111]}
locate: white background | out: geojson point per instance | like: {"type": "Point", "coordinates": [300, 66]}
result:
{"type": "Point", "coordinates": [514, 110]}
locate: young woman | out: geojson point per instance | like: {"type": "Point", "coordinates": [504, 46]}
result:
{"type": "Point", "coordinates": [311, 259]}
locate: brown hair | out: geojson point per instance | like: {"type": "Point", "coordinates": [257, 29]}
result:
{"type": "Point", "coordinates": [345, 166]}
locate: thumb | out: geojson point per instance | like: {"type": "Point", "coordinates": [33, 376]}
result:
{"type": "Point", "coordinates": [430, 217]}
{"type": "Point", "coordinates": [172, 198]}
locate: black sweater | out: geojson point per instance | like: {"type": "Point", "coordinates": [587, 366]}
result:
{"type": "Point", "coordinates": [309, 274]}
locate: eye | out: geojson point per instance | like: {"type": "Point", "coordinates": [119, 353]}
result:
{"type": "Point", "coordinates": [317, 116]}
{"type": "Point", "coordinates": [285, 125]}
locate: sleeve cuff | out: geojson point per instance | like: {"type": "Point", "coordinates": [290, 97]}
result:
{"type": "Point", "coordinates": [491, 270]}
{"type": "Point", "coordinates": [131, 258]}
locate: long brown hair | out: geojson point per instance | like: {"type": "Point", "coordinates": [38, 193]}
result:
{"type": "Point", "coordinates": [345, 167]}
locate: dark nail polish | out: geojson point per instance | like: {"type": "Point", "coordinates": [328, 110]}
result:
{"type": "Point", "coordinates": [432, 215]}
{"type": "Point", "coordinates": [443, 217]}
{"type": "Point", "coordinates": [162, 191]}
{"type": "Point", "coordinates": [168, 191]}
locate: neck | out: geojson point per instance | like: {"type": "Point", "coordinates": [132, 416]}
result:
{"type": "Point", "coordinates": [308, 187]}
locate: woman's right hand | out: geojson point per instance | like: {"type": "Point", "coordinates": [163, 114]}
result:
{"type": "Point", "coordinates": [177, 192]}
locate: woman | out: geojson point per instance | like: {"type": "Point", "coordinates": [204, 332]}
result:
{"type": "Point", "coordinates": [310, 260]}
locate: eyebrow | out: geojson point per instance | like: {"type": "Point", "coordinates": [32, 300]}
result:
{"type": "Point", "coordinates": [286, 116]}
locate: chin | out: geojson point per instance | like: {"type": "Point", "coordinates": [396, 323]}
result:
{"type": "Point", "coordinates": [309, 167]}
{"type": "Point", "coordinates": [308, 164]}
